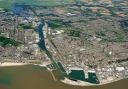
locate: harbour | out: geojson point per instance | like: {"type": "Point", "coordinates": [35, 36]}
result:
{"type": "Point", "coordinates": [37, 77]}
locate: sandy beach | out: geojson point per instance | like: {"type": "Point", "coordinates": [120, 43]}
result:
{"type": "Point", "coordinates": [4, 64]}
{"type": "Point", "coordinates": [82, 83]}
{"type": "Point", "coordinates": [66, 80]}
{"type": "Point", "coordinates": [77, 83]}
{"type": "Point", "coordinates": [11, 64]}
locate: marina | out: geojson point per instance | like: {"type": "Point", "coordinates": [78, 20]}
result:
{"type": "Point", "coordinates": [38, 77]}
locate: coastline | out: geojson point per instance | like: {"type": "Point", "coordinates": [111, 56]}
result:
{"type": "Point", "coordinates": [7, 64]}
{"type": "Point", "coordinates": [82, 83]}
{"type": "Point", "coordinates": [78, 83]}
{"type": "Point", "coordinates": [66, 80]}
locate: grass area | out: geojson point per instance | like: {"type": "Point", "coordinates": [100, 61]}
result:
{"type": "Point", "coordinates": [26, 26]}
{"type": "Point", "coordinates": [9, 3]}
{"type": "Point", "coordinates": [117, 36]}
{"type": "Point", "coordinates": [73, 33]}
{"type": "Point", "coordinates": [7, 41]}
{"type": "Point", "coordinates": [55, 24]}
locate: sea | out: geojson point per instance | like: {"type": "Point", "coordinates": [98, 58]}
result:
{"type": "Point", "coordinates": [38, 77]}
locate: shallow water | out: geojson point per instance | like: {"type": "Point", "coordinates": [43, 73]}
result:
{"type": "Point", "coordinates": [35, 77]}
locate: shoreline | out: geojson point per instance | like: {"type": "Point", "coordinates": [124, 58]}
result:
{"type": "Point", "coordinates": [8, 64]}
{"type": "Point", "coordinates": [66, 80]}
{"type": "Point", "coordinates": [82, 83]}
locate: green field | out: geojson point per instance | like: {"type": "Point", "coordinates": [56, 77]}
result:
{"type": "Point", "coordinates": [8, 41]}
{"type": "Point", "coordinates": [10, 3]}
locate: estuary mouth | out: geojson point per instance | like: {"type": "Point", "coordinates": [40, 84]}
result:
{"type": "Point", "coordinates": [77, 42]}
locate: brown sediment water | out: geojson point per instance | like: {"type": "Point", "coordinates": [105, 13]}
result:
{"type": "Point", "coordinates": [36, 77]}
